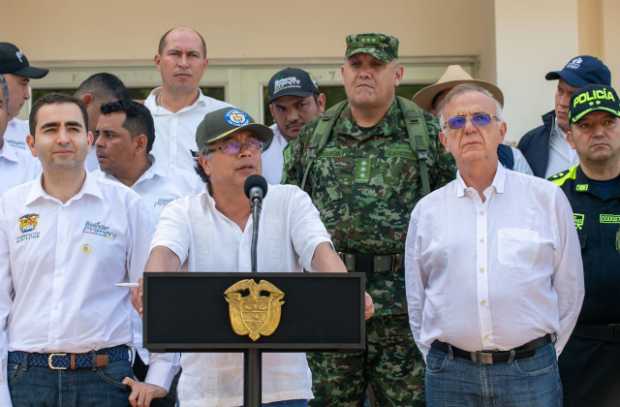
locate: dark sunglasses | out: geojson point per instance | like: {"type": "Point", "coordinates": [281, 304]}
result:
{"type": "Point", "coordinates": [479, 119]}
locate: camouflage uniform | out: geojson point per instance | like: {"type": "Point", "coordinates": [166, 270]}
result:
{"type": "Point", "coordinates": [365, 182]}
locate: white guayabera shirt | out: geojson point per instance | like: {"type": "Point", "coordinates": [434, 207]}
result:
{"type": "Point", "coordinates": [290, 230]}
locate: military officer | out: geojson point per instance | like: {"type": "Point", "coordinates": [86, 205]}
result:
{"type": "Point", "coordinates": [365, 163]}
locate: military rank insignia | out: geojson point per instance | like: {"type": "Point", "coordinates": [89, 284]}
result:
{"type": "Point", "coordinates": [254, 309]}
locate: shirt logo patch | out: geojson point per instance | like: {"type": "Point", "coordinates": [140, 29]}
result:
{"type": "Point", "coordinates": [27, 226]}
{"type": "Point", "coordinates": [581, 187]}
{"type": "Point", "coordinates": [579, 219]}
{"type": "Point", "coordinates": [98, 229]}
{"type": "Point", "coordinates": [608, 218]}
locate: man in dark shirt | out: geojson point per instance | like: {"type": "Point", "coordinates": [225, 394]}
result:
{"type": "Point", "coordinates": [589, 363]}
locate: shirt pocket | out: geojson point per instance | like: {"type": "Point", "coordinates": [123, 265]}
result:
{"type": "Point", "coordinates": [518, 248]}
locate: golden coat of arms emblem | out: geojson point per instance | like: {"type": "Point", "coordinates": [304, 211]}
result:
{"type": "Point", "coordinates": [254, 309]}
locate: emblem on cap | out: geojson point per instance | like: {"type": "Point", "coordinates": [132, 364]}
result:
{"type": "Point", "coordinates": [254, 309]}
{"type": "Point", "coordinates": [285, 83]}
{"type": "Point", "coordinates": [237, 118]}
{"type": "Point", "coordinates": [19, 56]}
{"type": "Point", "coordinates": [575, 63]}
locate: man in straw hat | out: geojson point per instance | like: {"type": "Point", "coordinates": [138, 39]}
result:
{"type": "Point", "coordinates": [430, 97]}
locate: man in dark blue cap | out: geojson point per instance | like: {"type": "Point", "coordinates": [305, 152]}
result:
{"type": "Point", "coordinates": [17, 71]}
{"type": "Point", "coordinates": [546, 148]}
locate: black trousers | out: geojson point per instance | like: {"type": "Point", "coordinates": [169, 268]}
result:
{"type": "Point", "coordinates": [590, 372]}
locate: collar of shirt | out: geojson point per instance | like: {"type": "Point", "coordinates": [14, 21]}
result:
{"type": "Point", "coordinates": [89, 187]}
{"type": "Point", "coordinates": [152, 172]}
{"type": "Point", "coordinates": [8, 152]}
{"type": "Point", "coordinates": [158, 110]}
{"type": "Point", "coordinates": [391, 124]}
{"type": "Point", "coordinates": [497, 185]}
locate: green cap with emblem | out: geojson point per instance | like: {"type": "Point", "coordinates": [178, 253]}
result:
{"type": "Point", "coordinates": [227, 121]}
{"type": "Point", "coordinates": [381, 46]}
{"type": "Point", "coordinates": [593, 98]}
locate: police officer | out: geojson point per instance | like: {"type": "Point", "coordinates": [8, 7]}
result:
{"type": "Point", "coordinates": [589, 363]}
{"type": "Point", "coordinates": [366, 162]}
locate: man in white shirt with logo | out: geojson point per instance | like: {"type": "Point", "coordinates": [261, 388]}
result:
{"type": "Point", "coordinates": [65, 240]}
{"type": "Point", "coordinates": [493, 270]}
{"type": "Point", "coordinates": [294, 100]}
{"type": "Point", "coordinates": [179, 104]}
{"type": "Point", "coordinates": [17, 71]}
{"type": "Point", "coordinates": [16, 166]}
{"type": "Point", "coordinates": [213, 231]}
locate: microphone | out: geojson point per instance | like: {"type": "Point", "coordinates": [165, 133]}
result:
{"type": "Point", "coordinates": [255, 188]}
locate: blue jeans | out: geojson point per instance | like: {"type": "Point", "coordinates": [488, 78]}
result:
{"type": "Point", "coordinates": [39, 386]}
{"type": "Point", "coordinates": [527, 382]}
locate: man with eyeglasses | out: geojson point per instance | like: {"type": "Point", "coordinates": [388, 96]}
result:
{"type": "Point", "coordinates": [16, 166]}
{"type": "Point", "coordinates": [294, 100]}
{"type": "Point", "coordinates": [213, 232]}
{"type": "Point", "coordinates": [589, 363]}
{"type": "Point", "coordinates": [495, 281]}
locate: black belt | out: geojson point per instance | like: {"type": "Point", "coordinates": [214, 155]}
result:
{"type": "Point", "coordinates": [72, 361]}
{"type": "Point", "coordinates": [370, 263]}
{"type": "Point", "coordinates": [608, 332]}
{"type": "Point", "coordinates": [492, 357]}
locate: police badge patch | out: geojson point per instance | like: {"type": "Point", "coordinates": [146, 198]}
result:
{"type": "Point", "coordinates": [254, 309]}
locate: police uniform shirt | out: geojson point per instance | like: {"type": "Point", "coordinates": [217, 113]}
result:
{"type": "Point", "coordinates": [176, 132]}
{"type": "Point", "coordinates": [497, 274]}
{"type": "Point", "coordinates": [596, 212]}
{"type": "Point", "coordinates": [59, 263]}
{"type": "Point", "coordinates": [290, 230]}
{"type": "Point", "coordinates": [272, 159]}
{"type": "Point", "coordinates": [16, 166]}
{"type": "Point", "coordinates": [16, 132]}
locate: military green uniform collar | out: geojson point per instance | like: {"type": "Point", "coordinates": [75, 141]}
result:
{"type": "Point", "coordinates": [389, 125]}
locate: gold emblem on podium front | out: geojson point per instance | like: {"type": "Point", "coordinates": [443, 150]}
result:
{"type": "Point", "coordinates": [254, 309]}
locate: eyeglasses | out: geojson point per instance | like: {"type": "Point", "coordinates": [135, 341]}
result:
{"type": "Point", "coordinates": [234, 147]}
{"type": "Point", "coordinates": [479, 119]}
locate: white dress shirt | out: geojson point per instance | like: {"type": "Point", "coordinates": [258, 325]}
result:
{"type": "Point", "coordinates": [16, 167]}
{"type": "Point", "coordinates": [272, 159]}
{"type": "Point", "coordinates": [176, 132]}
{"type": "Point", "coordinates": [561, 155]}
{"type": "Point", "coordinates": [497, 274]}
{"type": "Point", "coordinates": [59, 263]}
{"type": "Point", "coordinates": [290, 230]}
{"type": "Point", "coordinates": [16, 132]}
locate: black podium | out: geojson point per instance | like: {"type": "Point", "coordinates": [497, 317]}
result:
{"type": "Point", "coordinates": [190, 312]}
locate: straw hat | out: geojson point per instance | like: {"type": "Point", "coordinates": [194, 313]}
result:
{"type": "Point", "coordinates": [454, 75]}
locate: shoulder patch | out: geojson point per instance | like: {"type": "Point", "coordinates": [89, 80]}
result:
{"type": "Point", "coordinates": [562, 177]}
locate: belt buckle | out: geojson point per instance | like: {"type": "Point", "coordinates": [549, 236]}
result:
{"type": "Point", "coordinates": [484, 358]}
{"type": "Point", "coordinates": [50, 361]}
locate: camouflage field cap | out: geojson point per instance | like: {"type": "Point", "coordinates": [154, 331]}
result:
{"type": "Point", "coordinates": [381, 46]}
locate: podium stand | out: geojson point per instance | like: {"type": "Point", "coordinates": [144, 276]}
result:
{"type": "Point", "coordinates": [188, 312]}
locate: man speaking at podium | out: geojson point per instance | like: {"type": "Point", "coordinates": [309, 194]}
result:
{"type": "Point", "coordinates": [212, 232]}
